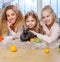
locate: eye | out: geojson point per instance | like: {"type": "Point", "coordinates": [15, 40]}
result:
{"type": "Point", "coordinates": [32, 20]}
{"type": "Point", "coordinates": [48, 15]}
{"type": "Point", "coordinates": [27, 21]}
{"type": "Point", "coordinates": [13, 14]}
{"type": "Point", "coordinates": [43, 17]}
{"type": "Point", "coordinates": [8, 15]}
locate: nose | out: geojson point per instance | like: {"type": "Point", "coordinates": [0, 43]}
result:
{"type": "Point", "coordinates": [29, 22]}
{"type": "Point", "coordinates": [10, 18]}
{"type": "Point", "coordinates": [45, 19]}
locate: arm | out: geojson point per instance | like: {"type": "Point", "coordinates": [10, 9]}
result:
{"type": "Point", "coordinates": [53, 36]}
{"type": "Point", "coordinates": [14, 35]}
{"type": "Point", "coordinates": [10, 30]}
{"type": "Point", "coordinates": [45, 29]}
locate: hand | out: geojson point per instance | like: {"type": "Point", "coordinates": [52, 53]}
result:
{"type": "Point", "coordinates": [8, 24]}
{"type": "Point", "coordinates": [46, 30]}
{"type": "Point", "coordinates": [42, 23]}
{"type": "Point", "coordinates": [16, 36]}
{"type": "Point", "coordinates": [48, 33]}
{"type": "Point", "coordinates": [35, 33]}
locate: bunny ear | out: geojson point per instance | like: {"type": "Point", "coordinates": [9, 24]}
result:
{"type": "Point", "coordinates": [28, 29]}
{"type": "Point", "coordinates": [23, 27]}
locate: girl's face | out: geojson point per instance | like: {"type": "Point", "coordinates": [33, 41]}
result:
{"type": "Point", "coordinates": [11, 16]}
{"type": "Point", "coordinates": [30, 22]}
{"type": "Point", "coordinates": [47, 17]}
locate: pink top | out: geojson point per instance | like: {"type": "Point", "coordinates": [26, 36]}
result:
{"type": "Point", "coordinates": [54, 34]}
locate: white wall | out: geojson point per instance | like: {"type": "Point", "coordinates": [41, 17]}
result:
{"type": "Point", "coordinates": [39, 7]}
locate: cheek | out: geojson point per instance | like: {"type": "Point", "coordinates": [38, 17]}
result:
{"type": "Point", "coordinates": [51, 21]}
{"type": "Point", "coordinates": [12, 22]}
{"type": "Point", "coordinates": [27, 23]}
{"type": "Point", "coordinates": [44, 20]}
{"type": "Point", "coordinates": [34, 23]}
{"type": "Point", "coordinates": [15, 17]}
{"type": "Point", "coordinates": [7, 18]}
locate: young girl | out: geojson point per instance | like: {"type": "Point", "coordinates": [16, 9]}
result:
{"type": "Point", "coordinates": [11, 22]}
{"type": "Point", "coordinates": [50, 26]}
{"type": "Point", "coordinates": [32, 21]}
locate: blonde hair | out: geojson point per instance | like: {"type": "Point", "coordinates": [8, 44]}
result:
{"type": "Point", "coordinates": [48, 8]}
{"type": "Point", "coordinates": [37, 28]}
{"type": "Point", "coordinates": [18, 22]}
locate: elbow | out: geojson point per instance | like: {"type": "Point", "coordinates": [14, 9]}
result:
{"type": "Point", "coordinates": [52, 40]}
{"type": "Point", "coordinates": [48, 40]}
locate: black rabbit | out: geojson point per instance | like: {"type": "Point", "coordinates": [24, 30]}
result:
{"type": "Point", "coordinates": [26, 35]}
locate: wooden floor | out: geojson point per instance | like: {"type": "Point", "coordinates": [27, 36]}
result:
{"type": "Point", "coordinates": [29, 55]}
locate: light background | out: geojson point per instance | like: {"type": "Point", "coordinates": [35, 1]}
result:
{"type": "Point", "coordinates": [36, 5]}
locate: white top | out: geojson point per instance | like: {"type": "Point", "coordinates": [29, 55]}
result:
{"type": "Point", "coordinates": [11, 36]}
{"type": "Point", "coordinates": [54, 34]}
{"type": "Point", "coordinates": [12, 33]}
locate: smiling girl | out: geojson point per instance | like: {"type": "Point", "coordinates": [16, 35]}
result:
{"type": "Point", "coordinates": [32, 21]}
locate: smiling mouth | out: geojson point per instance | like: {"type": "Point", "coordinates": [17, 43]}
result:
{"type": "Point", "coordinates": [47, 21]}
{"type": "Point", "coordinates": [30, 26]}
